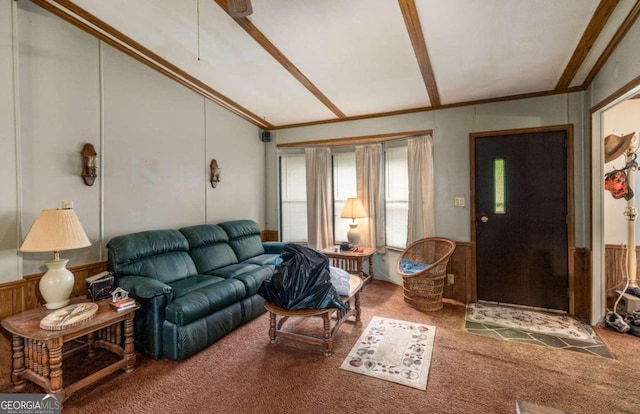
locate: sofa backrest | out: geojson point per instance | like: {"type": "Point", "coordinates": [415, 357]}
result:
{"type": "Point", "coordinates": [157, 254]}
{"type": "Point", "coordinates": [209, 247]}
{"type": "Point", "coordinates": [244, 238]}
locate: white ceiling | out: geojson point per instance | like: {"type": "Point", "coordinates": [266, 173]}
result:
{"type": "Point", "coordinates": [356, 55]}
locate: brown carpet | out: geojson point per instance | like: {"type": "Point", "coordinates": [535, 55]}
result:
{"type": "Point", "coordinates": [244, 373]}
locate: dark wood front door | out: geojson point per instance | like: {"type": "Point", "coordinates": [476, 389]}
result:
{"type": "Point", "coordinates": [520, 208]}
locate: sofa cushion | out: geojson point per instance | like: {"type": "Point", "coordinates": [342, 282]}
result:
{"type": "Point", "coordinates": [208, 247]}
{"type": "Point", "coordinates": [204, 301]}
{"type": "Point", "coordinates": [244, 238]}
{"type": "Point", "coordinates": [253, 279]}
{"type": "Point", "coordinates": [158, 254]}
{"type": "Point", "coordinates": [263, 259]}
{"type": "Point", "coordinates": [233, 270]}
{"type": "Point", "coordinates": [188, 284]}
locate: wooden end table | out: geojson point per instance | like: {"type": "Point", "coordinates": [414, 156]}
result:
{"type": "Point", "coordinates": [352, 261]}
{"type": "Point", "coordinates": [326, 342]}
{"type": "Point", "coordinates": [37, 354]}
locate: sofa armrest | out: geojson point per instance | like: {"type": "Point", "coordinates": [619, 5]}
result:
{"type": "Point", "coordinates": [153, 296]}
{"type": "Point", "coordinates": [144, 287]}
{"type": "Point", "coordinates": [273, 247]}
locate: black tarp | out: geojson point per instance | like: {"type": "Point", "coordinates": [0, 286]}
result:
{"type": "Point", "coordinates": [301, 281]}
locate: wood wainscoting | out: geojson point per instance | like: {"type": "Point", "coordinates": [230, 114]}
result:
{"type": "Point", "coordinates": [614, 263]}
{"type": "Point", "coordinates": [22, 295]}
{"type": "Point", "coordinates": [462, 266]}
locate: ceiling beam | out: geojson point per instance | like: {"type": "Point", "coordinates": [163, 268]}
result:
{"type": "Point", "coordinates": [591, 33]}
{"type": "Point", "coordinates": [613, 44]}
{"type": "Point", "coordinates": [412, 21]}
{"type": "Point", "coordinates": [266, 44]}
{"type": "Point", "coordinates": [84, 20]}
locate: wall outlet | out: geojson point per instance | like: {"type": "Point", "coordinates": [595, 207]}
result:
{"type": "Point", "coordinates": [450, 279]}
{"type": "Point", "coordinates": [67, 204]}
{"type": "Point", "coordinates": [458, 202]}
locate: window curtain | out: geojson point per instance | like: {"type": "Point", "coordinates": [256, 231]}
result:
{"type": "Point", "coordinates": [421, 221]}
{"type": "Point", "coordinates": [319, 197]}
{"type": "Point", "coordinates": [369, 188]}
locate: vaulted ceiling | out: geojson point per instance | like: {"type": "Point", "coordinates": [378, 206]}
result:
{"type": "Point", "coordinates": [300, 62]}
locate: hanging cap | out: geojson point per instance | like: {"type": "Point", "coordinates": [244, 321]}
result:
{"type": "Point", "coordinates": [615, 146]}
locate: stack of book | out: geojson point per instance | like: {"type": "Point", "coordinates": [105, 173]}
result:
{"type": "Point", "coordinates": [123, 304]}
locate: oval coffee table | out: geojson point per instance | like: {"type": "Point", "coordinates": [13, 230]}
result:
{"type": "Point", "coordinates": [329, 332]}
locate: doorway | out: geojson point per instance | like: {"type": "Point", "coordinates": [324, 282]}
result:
{"type": "Point", "coordinates": [522, 216]}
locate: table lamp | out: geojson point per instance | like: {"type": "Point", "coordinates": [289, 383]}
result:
{"type": "Point", "coordinates": [353, 209]}
{"type": "Point", "coordinates": [56, 230]}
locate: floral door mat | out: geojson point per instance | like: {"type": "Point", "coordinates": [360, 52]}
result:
{"type": "Point", "coordinates": [539, 328]}
{"type": "Point", "coordinates": [393, 350]}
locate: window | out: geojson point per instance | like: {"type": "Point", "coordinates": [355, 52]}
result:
{"type": "Point", "coordinates": [293, 195]}
{"type": "Point", "coordinates": [293, 198]}
{"type": "Point", "coordinates": [344, 186]}
{"type": "Point", "coordinates": [498, 178]}
{"type": "Point", "coordinates": [396, 196]}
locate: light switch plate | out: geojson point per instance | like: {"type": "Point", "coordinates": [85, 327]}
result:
{"type": "Point", "coordinates": [458, 201]}
{"type": "Point", "coordinates": [67, 204]}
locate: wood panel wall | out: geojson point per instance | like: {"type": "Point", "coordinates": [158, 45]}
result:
{"type": "Point", "coordinates": [614, 265]}
{"type": "Point", "coordinates": [461, 266]}
{"type": "Point", "coordinates": [22, 295]}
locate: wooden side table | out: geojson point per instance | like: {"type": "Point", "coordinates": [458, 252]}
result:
{"type": "Point", "coordinates": [329, 332]}
{"type": "Point", "coordinates": [352, 261]}
{"type": "Point", "coordinates": [37, 354]}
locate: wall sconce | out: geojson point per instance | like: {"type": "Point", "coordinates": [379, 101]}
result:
{"type": "Point", "coordinates": [90, 164]}
{"type": "Point", "coordinates": [215, 173]}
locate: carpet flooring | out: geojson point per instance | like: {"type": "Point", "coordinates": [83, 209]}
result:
{"type": "Point", "coordinates": [244, 373]}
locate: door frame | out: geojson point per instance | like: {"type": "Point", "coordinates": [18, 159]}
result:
{"type": "Point", "coordinates": [472, 294]}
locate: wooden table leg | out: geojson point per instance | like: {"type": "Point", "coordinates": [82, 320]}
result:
{"type": "Point", "coordinates": [370, 267]}
{"type": "Point", "coordinates": [55, 364]}
{"type": "Point", "coordinates": [360, 267]}
{"type": "Point", "coordinates": [272, 327]}
{"type": "Point", "coordinates": [357, 307]}
{"type": "Point", "coordinates": [17, 348]}
{"type": "Point", "coordinates": [129, 355]}
{"type": "Point", "coordinates": [328, 344]}
{"type": "Point", "coordinates": [91, 337]}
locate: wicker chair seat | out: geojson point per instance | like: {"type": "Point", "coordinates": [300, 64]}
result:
{"type": "Point", "coordinates": [423, 289]}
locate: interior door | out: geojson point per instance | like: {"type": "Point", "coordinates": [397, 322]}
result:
{"type": "Point", "coordinates": [521, 219]}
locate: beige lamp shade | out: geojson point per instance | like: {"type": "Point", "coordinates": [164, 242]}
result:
{"type": "Point", "coordinates": [353, 208]}
{"type": "Point", "coordinates": [55, 230]}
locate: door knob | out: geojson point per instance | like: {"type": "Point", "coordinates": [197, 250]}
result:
{"type": "Point", "coordinates": [484, 219]}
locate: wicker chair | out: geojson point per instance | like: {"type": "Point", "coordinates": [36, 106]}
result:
{"type": "Point", "coordinates": [423, 289]}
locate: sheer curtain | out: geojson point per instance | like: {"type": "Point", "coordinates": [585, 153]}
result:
{"type": "Point", "coordinates": [319, 197]}
{"type": "Point", "coordinates": [369, 184]}
{"type": "Point", "coordinates": [421, 221]}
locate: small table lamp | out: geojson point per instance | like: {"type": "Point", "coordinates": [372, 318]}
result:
{"type": "Point", "coordinates": [353, 209]}
{"type": "Point", "coordinates": [56, 230]}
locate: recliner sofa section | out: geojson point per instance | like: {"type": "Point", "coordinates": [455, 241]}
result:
{"type": "Point", "coordinates": [195, 284]}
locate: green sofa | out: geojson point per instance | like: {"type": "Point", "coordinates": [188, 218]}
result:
{"type": "Point", "coordinates": [195, 284]}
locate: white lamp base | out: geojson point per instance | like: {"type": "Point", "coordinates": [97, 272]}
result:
{"type": "Point", "coordinates": [56, 284]}
{"type": "Point", "coordinates": [353, 235]}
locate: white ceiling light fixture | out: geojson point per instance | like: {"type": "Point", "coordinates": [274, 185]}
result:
{"type": "Point", "coordinates": [239, 8]}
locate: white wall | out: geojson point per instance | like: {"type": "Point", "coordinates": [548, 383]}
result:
{"type": "Point", "coordinates": [8, 186]}
{"type": "Point", "coordinates": [451, 129]}
{"type": "Point", "coordinates": [154, 137]}
{"type": "Point", "coordinates": [622, 119]}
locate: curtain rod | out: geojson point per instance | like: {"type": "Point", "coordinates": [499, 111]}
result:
{"type": "Point", "coordinates": [350, 141]}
